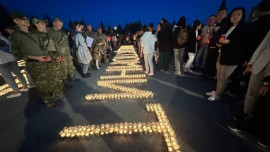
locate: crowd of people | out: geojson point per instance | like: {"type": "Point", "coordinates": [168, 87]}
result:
{"type": "Point", "coordinates": [227, 48]}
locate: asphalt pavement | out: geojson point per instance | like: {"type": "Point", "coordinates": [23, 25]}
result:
{"type": "Point", "coordinates": [200, 125]}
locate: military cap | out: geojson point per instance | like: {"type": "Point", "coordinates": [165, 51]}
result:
{"type": "Point", "coordinates": [17, 14]}
{"type": "Point", "coordinates": [37, 20]}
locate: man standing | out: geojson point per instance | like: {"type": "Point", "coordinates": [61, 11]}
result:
{"type": "Point", "coordinates": [62, 51]}
{"type": "Point", "coordinates": [148, 48]}
{"type": "Point", "coordinates": [203, 51]}
{"type": "Point", "coordinates": [25, 46]}
{"type": "Point", "coordinates": [221, 26]}
{"type": "Point", "coordinates": [103, 38]}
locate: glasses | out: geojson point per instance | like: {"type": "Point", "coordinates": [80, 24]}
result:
{"type": "Point", "coordinates": [24, 18]}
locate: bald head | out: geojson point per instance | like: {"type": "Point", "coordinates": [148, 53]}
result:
{"type": "Point", "coordinates": [57, 24]}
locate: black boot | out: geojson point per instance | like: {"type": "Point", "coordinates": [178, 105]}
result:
{"type": "Point", "coordinates": [86, 75]}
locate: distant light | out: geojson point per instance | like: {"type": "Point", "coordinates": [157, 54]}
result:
{"type": "Point", "coordinates": [115, 28]}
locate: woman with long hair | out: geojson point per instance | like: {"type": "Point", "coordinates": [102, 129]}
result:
{"type": "Point", "coordinates": [231, 50]}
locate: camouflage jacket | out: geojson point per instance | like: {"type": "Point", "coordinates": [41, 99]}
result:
{"type": "Point", "coordinates": [60, 42]}
{"type": "Point", "coordinates": [25, 44]}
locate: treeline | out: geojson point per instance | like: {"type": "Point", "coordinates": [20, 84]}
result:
{"type": "Point", "coordinates": [129, 28]}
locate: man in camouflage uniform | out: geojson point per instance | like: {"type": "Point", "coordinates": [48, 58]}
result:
{"type": "Point", "coordinates": [54, 80]}
{"type": "Point", "coordinates": [103, 38]}
{"type": "Point", "coordinates": [25, 45]}
{"type": "Point", "coordinates": [63, 51]}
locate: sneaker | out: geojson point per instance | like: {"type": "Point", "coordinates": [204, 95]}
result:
{"type": "Point", "coordinates": [24, 89]}
{"type": "Point", "coordinates": [146, 72]}
{"type": "Point", "coordinates": [214, 98]}
{"type": "Point", "coordinates": [210, 93]}
{"type": "Point", "coordinates": [14, 95]}
{"type": "Point", "coordinates": [234, 128]}
{"type": "Point", "coordinates": [263, 143]}
{"type": "Point", "coordinates": [86, 75]}
{"type": "Point", "coordinates": [177, 73]}
{"type": "Point", "coordinates": [150, 74]}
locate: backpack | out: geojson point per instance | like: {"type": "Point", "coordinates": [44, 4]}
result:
{"type": "Point", "coordinates": [182, 36]}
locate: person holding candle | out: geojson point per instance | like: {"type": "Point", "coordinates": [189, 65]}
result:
{"type": "Point", "coordinates": [25, 45]}
{"type": "Point", "coordinates": [192, 44]}
{"type": "Point", "coordinates": [232, 46]}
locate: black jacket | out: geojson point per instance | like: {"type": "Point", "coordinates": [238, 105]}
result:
{"type": "Point", "coordinates": [223, 26]}
{"type": "Point", "coordinates": [191, 44]}
{"type": "Point", "coordinates": [165, 39]}
{"type": "Point", "coordinates": [256, 33]}
{"type": "Point", "coordinates": [232, 53]}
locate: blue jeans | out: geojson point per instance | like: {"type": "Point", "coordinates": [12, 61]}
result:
{"type": "Point", "coordinates": [85, 68]}
{"type": "Point", "coordinates": [201, 56]}
{"type": "Point", "coordinates": [6, 69]}
{"type": "Point", "coordinates": [148, 60]}
{"type": "Point", "coordinates": [178, 61]}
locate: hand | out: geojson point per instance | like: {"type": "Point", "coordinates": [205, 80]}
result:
{"type": "Point", "coordinates": [219, 45]}
{"type": "Point", "coordinates": [58, 59]}
{"type": "Point", "coordinates": [141, 55]}
{"type": "Point", "coordinates": [63, 59]}
{"type": "Point", "coordinates": [224, 41]}
{"type": "Point", "coordinates": [43, 58]}
{"type": "Point", "coordinates": [248, 69]}
{"type": "Point", "coordinates": [70, 57]}
{"type": "Point", "coordinates": [263, 90]}
{"type": "Point", "coordinates": [244, 64]}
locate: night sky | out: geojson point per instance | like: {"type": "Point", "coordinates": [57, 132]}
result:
{"type": "Point", "coordinates": [114, 12]}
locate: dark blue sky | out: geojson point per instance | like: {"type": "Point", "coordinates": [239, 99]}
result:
{"type": "Point", "coordinates": [113, 12]}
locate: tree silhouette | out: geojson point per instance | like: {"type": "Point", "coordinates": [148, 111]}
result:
{"type": "Point", "coordinates": [70, 24]}
{"type": "Point", "coordinates": [48, 18]}
{"type": "Point", "coordinates": [119, 29]}
{"type": "Point", "coordinates": [110, 30]}
{"type": "Point", "coordinates": [102, 26]}
{"type": "Point", "coordinates": [127, 29]}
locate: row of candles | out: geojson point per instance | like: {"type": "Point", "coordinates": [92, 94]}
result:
{"type": "Point", "coordinates": [161, 127]}
{"type": "Point", "coordinates": [125, 89]}
{"type": "Point", "coordinates": [123, 76]}
{"type": "Point", "coordinates": [124, 67]}
{"type": "Point", "coordinates": [21, 63]}
{"type": "Point", "coordinates": [127, 69]}
{"type": "Point", "coordinates": [117, 96]}
{"type": "Point", "coordinates": [125, 62]}
{"type": "Point", "coordinates": [168, 132]}
{"type": "Point", "coordinates": [5, 89]}
{"type": "Point", "coordinates": [123, 81]}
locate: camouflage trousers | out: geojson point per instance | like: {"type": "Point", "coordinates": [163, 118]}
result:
{"type": "Point", "coordinates": [66, 69]}
{"type": "Point", "coordinates": [70, 67]}
{"type": "Point", "coordinates": [57, 86]}
{"type": "Point", "coordinates": [44, 78]}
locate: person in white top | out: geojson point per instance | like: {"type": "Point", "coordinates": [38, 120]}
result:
{"type": "Point", "coordinates": [148, 48]}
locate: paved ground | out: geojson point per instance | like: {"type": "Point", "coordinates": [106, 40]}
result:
{"type": "Point", "coordinates": [200, 125]}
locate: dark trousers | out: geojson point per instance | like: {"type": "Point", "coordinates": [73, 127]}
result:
{"type": "Point", "coordinates": [210, 67]}
{"type": "Point", "coordinates": [164, 60]}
